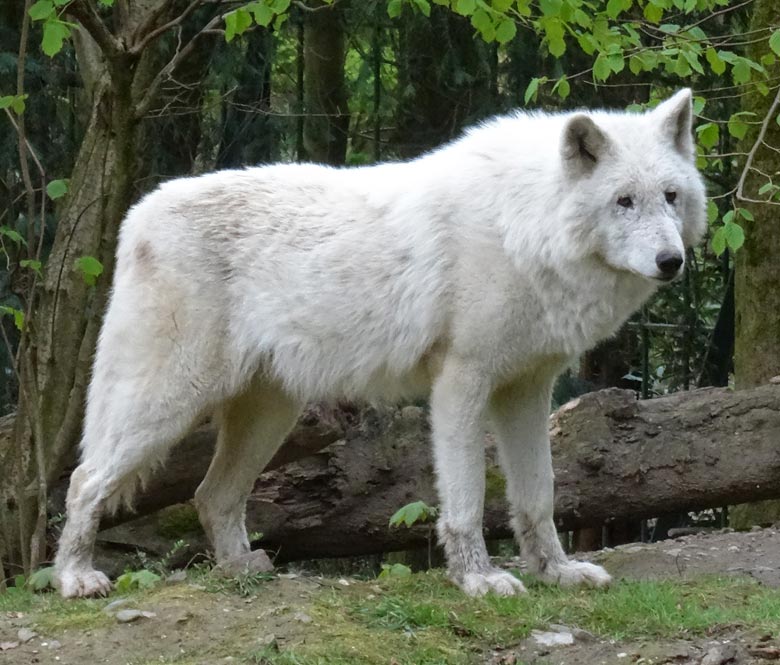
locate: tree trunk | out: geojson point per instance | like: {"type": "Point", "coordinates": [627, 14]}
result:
{"type": "Point", "coordinates": [757, 297]}
{"type": "Point", "coordinates": [444, 77]}
{"type": "Point", "coordinates": [326, 124]}
{"type": "Point", "coordinates": [615, 458]}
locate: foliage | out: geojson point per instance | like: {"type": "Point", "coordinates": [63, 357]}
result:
{"type": "Point", "coordinates": [135, 580]}
{"type": "Point", "coordinates": [413, 513]}
{"type": "Point", "coordinates": [394, 570]}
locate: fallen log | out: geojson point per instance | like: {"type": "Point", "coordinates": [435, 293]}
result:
{"type": "Point", "coordinates": [614, 457]}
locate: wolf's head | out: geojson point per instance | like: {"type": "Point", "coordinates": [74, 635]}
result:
{"type": "Point", "coordinates": [636, 188]}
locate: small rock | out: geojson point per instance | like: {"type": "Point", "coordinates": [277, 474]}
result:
{"type": "Point", "coordinates": [55, 644]}
{"type": "Point", "coordinates": [25, 635]}
{"type": "Point", "coordinates": [343, 582]}
{"type": "Point", "coordinates": [633, 549]}
{"type": "Point", "coordinates": [113, 607]}
{"type": "Point", "coordinates": [775, 380]}
{"type": "Point", "coordinates": [675, 551]}
{"type": "Point", "coordinates": [5, 646]}
{"type": "Point", "coordinates": [126, 616]}
{"type": "Point", "coordinates": [412, 413]}
{"type": "Point", "coordinates": [766, 653]}
{"type": "Point", "coordinates": [720, 655]}
{"type": "Point", "coordinates": [552, 639]}
{"type": "Point", "coordinates": [267, 640]}
{"type": "Point", "coordinates": [302, 617]}
{"type": "Point", "coordinates": [178, 576]}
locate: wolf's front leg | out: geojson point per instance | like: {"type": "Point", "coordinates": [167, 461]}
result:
{"type": "Point", "coordinates": [519, 416]}
{"type": "Point", "coordinates": [458, 403]}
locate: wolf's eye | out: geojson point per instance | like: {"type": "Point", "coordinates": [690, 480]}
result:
{"type": "Point", "coordinates": [625, 202]}
{"type": "Point", "coordinates": [671, 197]}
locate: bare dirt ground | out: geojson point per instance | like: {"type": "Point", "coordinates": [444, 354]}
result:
{"type": "Point", "coordinates": [190, 624]}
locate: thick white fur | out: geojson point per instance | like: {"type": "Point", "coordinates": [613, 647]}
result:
{"type": "Point", "coordinates": [476, 272]}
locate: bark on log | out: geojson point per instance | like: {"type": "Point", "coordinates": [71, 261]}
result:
{"type": "Point", "coordinates": [614, 457]}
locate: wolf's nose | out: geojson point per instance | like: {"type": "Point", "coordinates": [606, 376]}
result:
{"type": "Point", "coordinates": [668, 263]}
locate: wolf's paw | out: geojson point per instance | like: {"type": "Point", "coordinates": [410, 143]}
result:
{"type": "Point", "coordinates": [495, 580]}
{"type": "Point", "coordinates": [256, 561]}
{"type": "Point", "coordinates": [81, 583]}
{"type": "Point", "coordinates": [576, 572]}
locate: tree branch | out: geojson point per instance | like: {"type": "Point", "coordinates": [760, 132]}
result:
{"type": "Point", "coordinates": [145, 103]}
{"type": "Point", "coordinates": [147, 34]}
{"type": "Point", "coordinates": [752, 154]}
{"type": "Point", "coordinates": [91, 22]}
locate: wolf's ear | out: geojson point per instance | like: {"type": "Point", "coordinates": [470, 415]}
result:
{"type": "Point", "coordinates": [583, 143]}
{"type": "Point", "coordinates": [675, 117]}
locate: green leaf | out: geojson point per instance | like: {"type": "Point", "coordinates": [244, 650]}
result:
{"type": "Point", "coordinates": [652, 13]}
{"type": "Point", "coordinates": [16, 313]}
{"type": "Point", "coordinates": [601, 68]}
{"type": "Point", "coordinates": [394, 570]}
{"type": "Point", "coordinates": [531, 90]}
{"type": "Point", "coordinates": [693, 61]}
{"type": "Point", "coordinates": [744, 213]}
{"type": "Point", "coordinates": [262, 13]}
{"type": "Point", "coordinates": [551, 7]}
{"type": "Point", "coordinates": [734, 235]}
{"type": "Point", "coordinates": [54, 34]}
{"type": "Point", "coordinates": [562, 87]}
{"type": "Point", "coordinates": [394, 8]}
{"type": "Point", "coordinates": [774, 42]}
{"type": "Point", "coordinates": [524, 7]}
{"type": "Point", "coordinates": [501, 5]}
{"type": "Point", "coordinates": [737, 128]}
{"type": "Point", "coordinates": [17, 104]}
{"type": "Point", "coordinates": [740, 71]}
{"type": "Point", "coordinates": [553, 30]}
{"type": "Point", "coordinates": [236, 23]}
{"type": "Point", "coordinates": [616, 62]}
{"type": "Point", "coordinates": [14, 102]}
{"type": "Point", "coordinates": [614, 8]}
{"type": "Point", "coordinates": [41, 10]}
{"type": "Point", "coordinates": [466, 7]}
{"type": "Point", "coordinates": [90, 269]}
{"type": "Point", "coordinates": [140, 579]}
{"type": "Point", "coordinates": [482, 22]}
{"type": "Point", "coordinates": [506, 31]}
{"type": "Point", "coordinates": [13, 235]}
{"type": "Point", "coordinates": [424, 6]}
{"type": "Point", "coordinates": [719, 241]}
{"type": "Point", "coordinates": [32, 264]}
{"type": "Point", "coordinates": [709, 134]}
{"type": "Point", "coordinates": [712, 211]}
{"type": "Point", "coordinates": [57, 189]}
{"type": "Point", "coordinates": [411, 513]}
{"type": "Point", "coordinates": [41, 579]}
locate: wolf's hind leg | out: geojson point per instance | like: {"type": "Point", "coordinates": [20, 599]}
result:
{"type": "Point", "coordinates": [519, 415]}
{"type": "Point", "coordinates": [123, 441]}
{"type": "Point", "coordinates": [458, 404]}
{"type": "Point", "coordinates": [252, 427]}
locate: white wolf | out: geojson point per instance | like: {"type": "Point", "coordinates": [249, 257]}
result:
{"type": "Point", "coordinates": [477, 272]}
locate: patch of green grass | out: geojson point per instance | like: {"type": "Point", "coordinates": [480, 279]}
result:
{"type": "Point", "coordinates": [424, 619]}
{"type": "Point", "coordinates": [53, 613]}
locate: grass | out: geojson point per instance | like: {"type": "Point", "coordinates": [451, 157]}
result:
{"type": "Point", "coordinates": [422, 619]}
{"type": "Point", "coordinates": [416, 620]}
